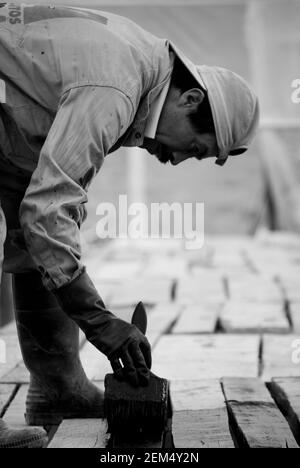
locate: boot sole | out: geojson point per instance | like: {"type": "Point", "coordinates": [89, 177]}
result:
{"type": "Point", "coordinates": [31, 443]}
{"type": "Point", "coordinates": [55, 419]}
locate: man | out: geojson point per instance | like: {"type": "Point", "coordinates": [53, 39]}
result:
{"type": "Point", "coordinates": [78, 85]}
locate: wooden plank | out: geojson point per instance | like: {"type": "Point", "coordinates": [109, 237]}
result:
{"type": "Point", "coordinates": [166, 268]}
{"type": "Point", "coordinates": [202, 429]}
{"type": "Point", "coordinates": [95, 364]}
{"type": "Point", "coordinates": [15, 413]}
{"type": "Point", "coordinates": [254, 416]}
{"type": "Point", "coordinates": [198, 318]}
{"type": "Point", "coordinates": [202, 288]}
{"type": "Point", "coordinates": [295, 316]}
{"type": "Point", "coordinates": [190, 357]}
{"type": "Point", "coordinates": [13, 354]}
{"type": "Point", "coordinates": [245, 317]}
{"type": "Point", "coordinates": [254, 288]}
{"type": "Point", "coordinates": [194, 395]}
{"type": "Point", "coordinates": [278, 357]}
{"type": "Point", "coordinates": [114, 271]}
{"type": "Point", "coordinates": [161, 319]}
{"type": "Point", "coordinates": [290, 284]}
{"type": "Point", "coordinates": [18, 375]}
{"type": "Point", "coordinates": [149, 290]}
{"type": "Point", "coordinates": [81, 433]}
{"type": "Point", "coordinates": [286, 392]}
{"type": "Point", "coordinates": [200, 416]}
{"type": "Point", "coordinates": [6, 393]}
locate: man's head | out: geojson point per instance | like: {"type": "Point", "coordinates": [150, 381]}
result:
{"type": "Point", "coordinates": [208, 112]}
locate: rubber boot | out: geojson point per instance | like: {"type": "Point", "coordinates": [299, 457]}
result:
{"type": "Point", "coordinates": [49, 340]}
{"type": "Point", "coordinates": [22, 438]}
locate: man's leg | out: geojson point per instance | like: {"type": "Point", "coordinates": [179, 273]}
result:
{"type": "Point", "coordinates": [59, 388]}
{"type": "Point", "coordinates": [49, 340]}
{"type": "Point", "coordinates": [25, 438]}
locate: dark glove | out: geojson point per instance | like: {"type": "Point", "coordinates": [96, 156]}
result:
{"type": "Point", "coordinates": [114, 337]}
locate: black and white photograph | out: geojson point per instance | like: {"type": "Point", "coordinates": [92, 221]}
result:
{"type": "Point", "coordinates": [149, 227]}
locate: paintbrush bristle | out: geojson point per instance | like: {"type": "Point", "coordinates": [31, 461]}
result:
{"type": "Point", "coordinates": [143, 409]}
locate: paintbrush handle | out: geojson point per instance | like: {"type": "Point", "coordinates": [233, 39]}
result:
{"type": "Point", "coordinates": [139, 318]}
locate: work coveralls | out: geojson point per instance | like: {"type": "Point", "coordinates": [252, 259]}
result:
{"type": "Point", "coordinates": [75, 86]}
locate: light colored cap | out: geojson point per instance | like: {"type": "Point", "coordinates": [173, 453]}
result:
{"type": "Point", "coordinates": [235, 107]}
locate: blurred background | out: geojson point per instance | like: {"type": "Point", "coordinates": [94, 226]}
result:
{"type": "Point", "coordinates": [259, 39]}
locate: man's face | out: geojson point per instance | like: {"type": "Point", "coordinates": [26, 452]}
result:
{"type": "Point", "coordinates": [176, 133]}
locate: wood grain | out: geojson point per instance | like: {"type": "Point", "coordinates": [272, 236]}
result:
{"type": "Point", "coordinates": [286, 392]}
{"type": "Point", "coordinates": [190, 357]}
{"type": "Point", "coordinates": [6, 393]}
{"type": "Point", "coordinates": [254, 416]}
{"type": "Point", "coordinates": [81, 433]}
{"type": "Point", "coordinates": [202, 429]}
{"type": "Point", "coordinates": [197, 318]}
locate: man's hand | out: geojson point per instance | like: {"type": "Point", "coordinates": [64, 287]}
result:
{"type": "Point", "coordinates": [132, 360]}
{"type": "Point", "coordinates": [124, 344]}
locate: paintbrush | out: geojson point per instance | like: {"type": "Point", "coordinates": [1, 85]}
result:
{"type": "Point", "coordinates": [143, 410]}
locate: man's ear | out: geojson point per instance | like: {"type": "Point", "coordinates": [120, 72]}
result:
{"type": "Point", "coordinates": [192, 99]}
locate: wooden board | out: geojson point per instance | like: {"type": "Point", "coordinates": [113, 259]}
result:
{"type": "Point", "coordinates": [194, 395]}
{"type": "Point", "coordinates": [81, 433]}
{"type": "Point", "coordinates": [18, 375]}
{"type": "Point", "coordinates": [190, 357]}
{"type": "Point", "coordinates": [198, 318]}
{"type": "Point", "coordinates": [15, 413]}
{"type": "Point", "coordinates": [247, 317]}
{"type": "Point", "coordinates": [286, 392]}
{"type": "Point", "coordinates": [254, 288]}
{"type": "Point", "coordinates": [202, 288]}
{"type": "Point", "coordinates": [114, 271]}
{"type": "Point", "coordinates": [161, 320]}
{"type": "Point", "coordinates": [200, 415]}
{"type": "Point", "coordinates": [6, 394]}
{"type": "Point", "coordinates": [278, 357]}
{"type": "Point", "coordinates": [295, 316]}
{"type": "Point", "coordinates": [95, 364]}
{"type": "Point", "coordinates": [201, 429]}
{"type": "Point", "coordinates": [290, 284]}
{"type": "Point", "coordinates": [149, 290]}
{"type": "Point", "coordinates": [254, 417]}
{"type": "Point", "coordinates": [13, 354]}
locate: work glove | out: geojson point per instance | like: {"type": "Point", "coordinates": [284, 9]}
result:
{"type": "Point", "coordinates": [117, 339]}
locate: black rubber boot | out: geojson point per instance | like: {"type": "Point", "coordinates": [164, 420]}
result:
{"type": "Point", "coordinates": [59, 388]}
{"type": "Point", "coordinates": [22, 438]}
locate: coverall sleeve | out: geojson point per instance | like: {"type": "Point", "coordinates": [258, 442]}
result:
{"type": "Point", "coordinates": [88, 123]}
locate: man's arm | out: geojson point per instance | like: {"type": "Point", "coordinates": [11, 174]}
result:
{"type": "Point", "coordinates": [88, 123]}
